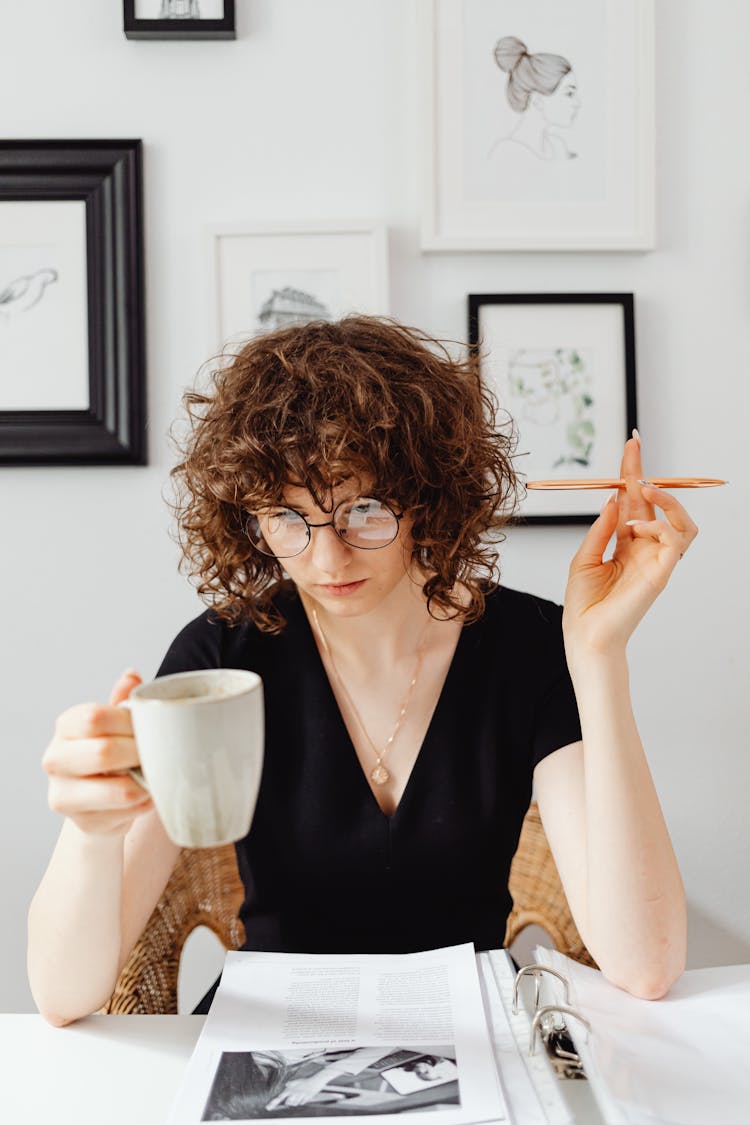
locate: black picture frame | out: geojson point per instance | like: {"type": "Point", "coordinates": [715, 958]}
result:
{"type": "Point", "coordinates": [107, 176]}
{"type": "Point", "coordinates": [134, 28]}
{"type": "Point", "coordinates": [558, 507]}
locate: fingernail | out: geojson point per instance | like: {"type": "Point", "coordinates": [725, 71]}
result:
{"type": "Point", "coordinates": [130, 672]}
{"type": "Point", "coordinates": [609, 500]}
{"type": "Point", "coordinates": [636, 435]}
{"type": "Point", "coordinates": [632, 523]}
{"type": "Point", "coordinates": [649, 484]}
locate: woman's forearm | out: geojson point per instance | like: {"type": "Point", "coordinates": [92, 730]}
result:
{"type": "Point", "coordinates": [74, 926]}
{"type": "Point", "coordinates": [635, 902]}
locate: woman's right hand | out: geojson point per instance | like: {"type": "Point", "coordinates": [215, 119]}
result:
{"type": "Point", "coordinates": [87, 762]}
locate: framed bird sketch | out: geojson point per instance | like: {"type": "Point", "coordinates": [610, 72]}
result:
{"type": "Point", "coordinates": [265, 277]}
{"type": "Point", "coordinates": [538, 124]}
{"type": "Point", "coordinates": [562, 366]}
{"type": "Point", "coordinates": [71, 303]}
{"type": "Point", "coordinates": [178, 19]}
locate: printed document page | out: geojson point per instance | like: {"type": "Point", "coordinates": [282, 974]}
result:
{"type": "Point", "coordinates": [329, 1036]}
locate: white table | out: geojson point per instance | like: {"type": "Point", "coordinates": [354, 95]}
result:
{"type": "Point", "coordinates": [119, 1070]}
{"type": "Point", "coordinates": [104, 1070]}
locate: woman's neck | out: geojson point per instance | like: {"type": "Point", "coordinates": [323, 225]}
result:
{"type": "Point", "coordinates": [386, 634]}
{"type": "Point", "coordinates": [532, 131]}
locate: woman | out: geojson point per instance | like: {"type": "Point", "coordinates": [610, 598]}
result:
{"type": "Point", "coordinates": [339, 494]}
{"type": "Point", "coordinates": [543, 90]}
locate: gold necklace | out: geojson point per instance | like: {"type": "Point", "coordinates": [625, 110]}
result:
{"type": "Point", "coordinates": [379, 774]}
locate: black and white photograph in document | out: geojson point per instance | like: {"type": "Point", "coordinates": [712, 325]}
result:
{"type": "Point", "coordinates": [325, 1083]}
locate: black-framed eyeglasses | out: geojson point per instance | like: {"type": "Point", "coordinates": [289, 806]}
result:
{"type": "Point", "coordinates": [361, 522]}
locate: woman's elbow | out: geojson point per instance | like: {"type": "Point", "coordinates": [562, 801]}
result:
{"type": "Point", "coordinates": [647, 982]}
{"type": "Point", "coordinates": [57, 1021]}
{"type": "Point", "coordinates": [64, 1014]}
{"type": "Point", "coordinates": [651, 988]}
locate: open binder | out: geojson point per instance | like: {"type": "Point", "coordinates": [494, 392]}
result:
{"type": "Point", "coordinates": [681, 1060]}
{"type": "Point", "coordinates": [397, 1035]}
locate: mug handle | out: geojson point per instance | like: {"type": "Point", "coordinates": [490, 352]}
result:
{"type": "Point", "coordinates": [137, 775]}
{"type": "Point", "coordinates": [135, 772]}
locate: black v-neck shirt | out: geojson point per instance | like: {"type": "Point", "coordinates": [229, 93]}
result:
{"type": "Point", "coordinates": [324, 869]}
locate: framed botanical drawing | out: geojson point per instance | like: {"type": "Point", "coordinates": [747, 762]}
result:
{"type": "Point", "coordinates": [538, 124]}
{"type": "Point", "coordinates": [562, 365]}
{"type": "Point", "coordinates": [179, 19]}
{"type": "Point", "coordinates": [265, 277]}
{"type": "Point", "coordinates": [71, 303]}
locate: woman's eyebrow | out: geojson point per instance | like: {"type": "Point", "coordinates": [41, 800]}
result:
{"type": "Point", "coordinates": [298, 508]}
{"type": "Point", "coordinates": [302, 510]}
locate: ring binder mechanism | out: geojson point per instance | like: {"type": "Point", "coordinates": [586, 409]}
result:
{"type": "Point", "coordinates": [554, 1033]}
{"type": "Point", "coordinates": [565, 1059]}
{"type": "Point", "coordinates": [536, 971]}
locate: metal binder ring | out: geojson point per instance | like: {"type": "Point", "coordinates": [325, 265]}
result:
{"type": "Point", "coordinates": [536, 970]}
{"type": "Point", "coordinates": [545, 1011]}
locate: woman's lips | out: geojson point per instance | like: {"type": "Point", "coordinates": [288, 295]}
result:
{"type": "Point", "coordinates": [341, 589]}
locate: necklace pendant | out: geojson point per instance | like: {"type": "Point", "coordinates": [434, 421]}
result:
{"type": "Point", "coordinates": [380, 774]}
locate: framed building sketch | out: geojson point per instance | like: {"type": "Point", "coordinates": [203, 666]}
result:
{"type": "Point", "coordinates": [562, 365]}
{"type": "Point", "coordinates": [179, 19]}
{"type": "Point", "coordinates": [265, 277]}
{"type": "Point", "coordinates": [72, 367]}
{"type": "Point", "coordinates": [538, 124]}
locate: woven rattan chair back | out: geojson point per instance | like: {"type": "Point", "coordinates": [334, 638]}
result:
{"type": "Point", "coordinates": [538, 895]}
{"type": "Point", "coordinates": [203, 890]}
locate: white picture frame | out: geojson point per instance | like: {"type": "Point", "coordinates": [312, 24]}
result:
{"type": "Point", "coordinates": [288, 272]}
{"type": "Point", "coordinates": [574, 169]}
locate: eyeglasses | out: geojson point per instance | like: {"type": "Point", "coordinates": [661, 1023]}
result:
{"type": "Point", "coordinates": [363, 523]}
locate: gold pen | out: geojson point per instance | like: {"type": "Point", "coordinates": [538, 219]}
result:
{"type": "Point", "coordinates": [657, 482]}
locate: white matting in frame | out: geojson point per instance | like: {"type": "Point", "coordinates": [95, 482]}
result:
{"type": "Point", "coordinates": [44, 347]}
{"type": "Point", "coordinates": [563, 367]}
{"type": "Point", "coordinates": [267, 277]}
{"type": "Point", "coordinates": [571, 168]}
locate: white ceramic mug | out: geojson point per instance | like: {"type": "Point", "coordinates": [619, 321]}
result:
{"type": "Point", "coordinates": [200, 743]}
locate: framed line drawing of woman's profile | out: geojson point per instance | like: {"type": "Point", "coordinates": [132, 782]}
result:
{"type": "Point", "coordinates": [542, 93]}
{"type": "Point", "coordinates": [538, 124]}
{"type": "Point", "coordinates": [562, 366]}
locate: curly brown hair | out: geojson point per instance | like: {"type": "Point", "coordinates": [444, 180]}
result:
{"type": "Point", "coordinates": [319, 403]}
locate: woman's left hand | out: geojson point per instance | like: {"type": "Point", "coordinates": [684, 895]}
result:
{"type": "Point", "coordinates": [604, 601]}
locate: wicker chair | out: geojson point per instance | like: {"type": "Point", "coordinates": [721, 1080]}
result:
{"type": "Point", "coordinates": [205, 890]}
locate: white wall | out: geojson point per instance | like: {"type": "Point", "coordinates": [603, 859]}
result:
{"type": "Point", "coordinates": [311, 113]}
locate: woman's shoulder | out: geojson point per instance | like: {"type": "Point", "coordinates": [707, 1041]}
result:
{"type": "Point", "coordinates": [523, 631]}
{"type": "Point", "coordinates": [522, 623]}
{"type": "Point", "coordinates": [510, 605]}
{"type": "Point", "coordinates": [211, 640]}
